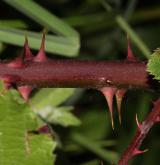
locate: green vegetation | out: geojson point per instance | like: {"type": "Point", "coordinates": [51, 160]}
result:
{"type": "Point", "coordinates": [81, 131]}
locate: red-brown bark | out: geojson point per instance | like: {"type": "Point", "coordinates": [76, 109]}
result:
{"type": "Point", "coordinates": [73, 73]}
{"type": "Point", "coordinates": [142, 131]}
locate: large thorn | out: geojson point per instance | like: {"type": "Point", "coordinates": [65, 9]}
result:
{"type": "Point", "coordinates": [25, 91]}
{"type": "Point", "coordinates": [130, 55]}
{"type": "Point", "coordinates": [41, 56]}
{"type": "Point", "coordinates": [119, 97]}
{"type": "Point", "coordinates": [27, 52]}
{"type": "Point", "coordinates": [109, 92]}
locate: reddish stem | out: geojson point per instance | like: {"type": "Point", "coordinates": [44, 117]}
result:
{"type": "Point", "coordinates": [143, 129]}
{"type": "Point", "coordinates": [70, 73]}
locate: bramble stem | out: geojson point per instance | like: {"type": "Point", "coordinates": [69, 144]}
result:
{"type": "Point", "coordinates": [142, 131]}
{"type": "Point", "coordinates": [70, 73]}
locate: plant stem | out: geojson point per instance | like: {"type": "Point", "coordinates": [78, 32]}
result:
{"type": "Point", "coordinates": [70, 73]}
{"type": "Point", "coordinates": [142, 131]}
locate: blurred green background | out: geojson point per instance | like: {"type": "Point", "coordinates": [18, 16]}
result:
{"type": "Point", "coordinates": [87, 29]}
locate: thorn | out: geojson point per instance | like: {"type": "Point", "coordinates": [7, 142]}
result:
{"type": "Point", "coordinates": [109, 92]}
{"type": "Point", "coordinates": [137, 152]}
{"type": "Point", "coordinates": [27, 52]}
{"type": "Point", "coordinates": [158, 119]}
{"type": "Point", "coordinates": [138, 124]}
{"type": "Point", "coordinates": [9, 80]}
{"type": "Point", "coordinates": [44, 129]}
{"type": "Point", "coordinates": [119, 96]}
{"type": "Point", "coordinates": [130, 55]}
{"type": "Point", "coordinates": [17, 63]}
{"type": "Point", "coordinates": [41, 56]}
{"type": "Point", "coordinates": [7, 85]}
{"type": "Point", "coordinates": [25, 91]}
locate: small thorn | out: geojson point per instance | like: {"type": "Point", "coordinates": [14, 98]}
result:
{"type": "Point", "coordinates": [44, 129]}
{"type": "Point", "coordinates": [138, 124]}
{"type": "Point", "coordinates": [130, 55]}
{"type": "Point", "coordinates": [9, 80]}
{"type": "Point", "coordinates": [119, 96]}
{"type": "Point", "coordinates": [25, 91]}
{"type": "Point", "coordinates": [137, 152]}
{"type": "Point", "coordinates": [41, 56]}
{"type": "Point", "coordinates": [7, 85]}
{"type": "Point", "coordinates": [17, 63]}
{"type": "Point", "coordinates": [158, 119]}
{"type": "Point", "coordinates": [27, 52]}
{"type": "Point", "coordinates": [109, 92]}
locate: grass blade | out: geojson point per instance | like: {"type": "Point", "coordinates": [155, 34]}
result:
{"type": "Point", "coordinates": [135, 38]}
{"type": "Point", "coordinates": [43, 17]}
{"type": "Point", "coordinates": [13, 23]}
{"type": "Point", "coordinates": [54, 44]}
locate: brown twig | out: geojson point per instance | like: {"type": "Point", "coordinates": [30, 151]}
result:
{"type": "Point", "coordinates": [142, 131]}
{"type": "Point", "coordinates": [70, 73]}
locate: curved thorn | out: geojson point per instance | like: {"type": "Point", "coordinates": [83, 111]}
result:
{"type": "Point", "coordinates": [119, 97]}
{"type": "Point", "coordinates": [109, 92]}
{"type": "Point", "coordinates": [137, 152]}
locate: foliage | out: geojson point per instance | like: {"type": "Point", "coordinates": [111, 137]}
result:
{"type": "Point", "coordinates": [153, 65]}
{"type": "Point", "coordinates": [79, 119]}
{"type": "Point", "coordinates": [18, 144]}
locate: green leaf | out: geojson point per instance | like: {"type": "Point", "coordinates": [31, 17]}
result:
{"type": "Point", "coordinates": [54, 44]}
{"type": "Point", "coordinates": [61, 116]}
{"type": "Point", "coordinates": [93, 162]}
{"type": "Point", "coordinates": [97, 119]}
{"type": "Point", "coordinates": [67, 44]}
{"type": "Point", "coordinates": [91, 145]}
{"type": "Point", "coordinates": [13, 23]}
{"type": "Point", "coordinates": [46, 106]}
{"type": "Point", "coordinates": [153, 66]}
{"type": "Point", "coordinates": [50, 97]}
{"type": "Point", "coordinates": [42, 146]}
{"type": "Point", "coordinates": [43, 17]}
{"type": "Point", "coordinates": [17, 145]}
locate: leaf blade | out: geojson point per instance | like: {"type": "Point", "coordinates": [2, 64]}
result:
{"type": "Point", "coordinates": [54, 44]}
{"type": "Point", "coordinates": [44, 17]}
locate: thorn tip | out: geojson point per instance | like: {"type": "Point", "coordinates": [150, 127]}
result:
{"type": "Point", "coordinates": [138, 124]}
{"type": "Point", "coordinates": [119, 97]}
{"type": "Point", "coordinates": [41, 56]}
{"type": "Point", "coordinates": [25, 91]}
{"type": "Point", "coordinates": [27, 52]}
{"type": "Point", "coordinates": [137, 151]}
{"type": "Point", "coordinates": [109, 92]}
{"type": "Point", "coordinates": [130, 55]}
